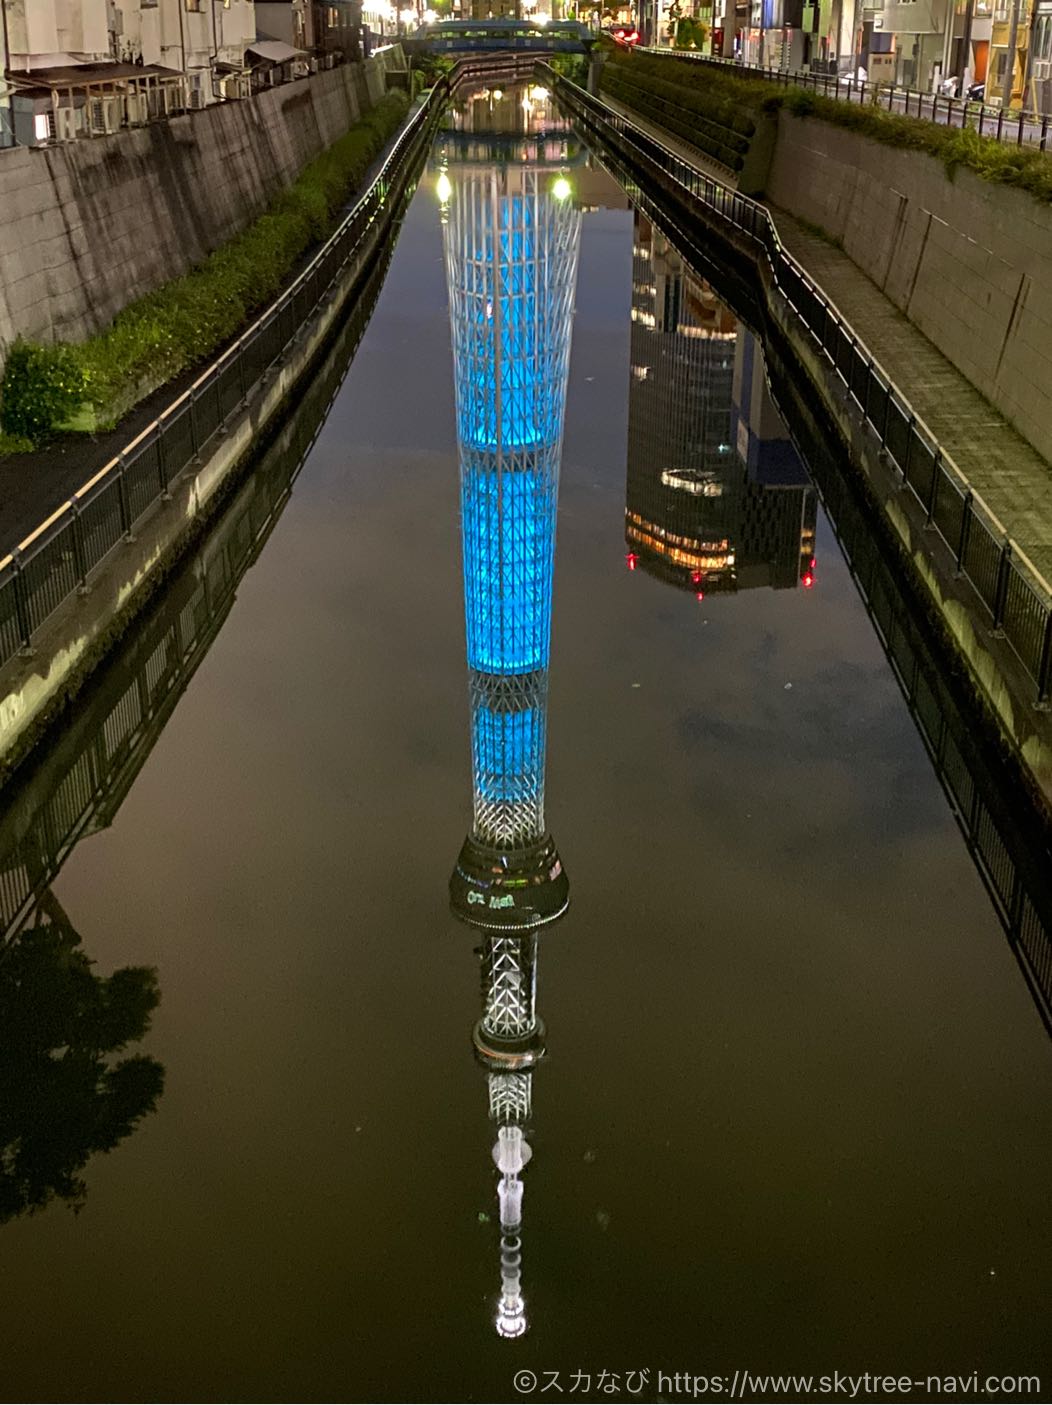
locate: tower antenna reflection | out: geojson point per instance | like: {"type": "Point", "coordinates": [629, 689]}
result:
{"type": "Point", "coordinates": [511, 234]}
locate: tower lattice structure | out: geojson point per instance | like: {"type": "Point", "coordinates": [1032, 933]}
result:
{"type": "Point", "coordinates": [511, 242]}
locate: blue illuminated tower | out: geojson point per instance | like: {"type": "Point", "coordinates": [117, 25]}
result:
{"type": "Point", "coordinates": [511, 238]}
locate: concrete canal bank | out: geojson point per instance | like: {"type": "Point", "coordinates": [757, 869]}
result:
{"type": "Point", "coordinates": [75, 586]}
{"type": "Point", "coordinates": [88, 226]}
{"type": "Point", "coordinates": [961, 564]}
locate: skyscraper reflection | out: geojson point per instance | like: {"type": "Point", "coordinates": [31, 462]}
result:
{"type": "Point", "coordinates": [717, 498]}
{"type": "Point", "coordinates": [511, 236]}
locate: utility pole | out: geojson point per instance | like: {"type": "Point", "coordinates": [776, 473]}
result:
{"type": "Point", "coordinates": [964, 65]}
{"type": "Point", "coordinates": [1013, 31]}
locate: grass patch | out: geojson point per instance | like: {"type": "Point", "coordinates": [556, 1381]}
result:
{"type": "Point", "coordinates": [14, 444]}
{"type": "Point", "coordinates": [49, 387]}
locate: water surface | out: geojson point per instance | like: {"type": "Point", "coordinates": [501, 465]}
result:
{"type": "Point", "coordinates": [794, 1114]}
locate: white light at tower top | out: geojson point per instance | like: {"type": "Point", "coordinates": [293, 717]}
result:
{"type": "Point", "coordinates": [443, 187]}
{"type": "Point", "coordinates": [561, 188]}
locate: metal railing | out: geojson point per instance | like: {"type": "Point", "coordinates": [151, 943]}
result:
{"type": "Point", "coordinates": [1015, 128]}
{"type": "Point", "coordinates": [1014, 872]}
{"type": "Point", "coordinates": [1014, 593]}
{"type": "Point", "coordinates": [1016, 877]}
{"type": "Point", "coordinates": [81, 784]}
{"type": "Point", "coordinates": [60, 558]}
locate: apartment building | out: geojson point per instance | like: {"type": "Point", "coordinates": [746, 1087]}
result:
{"type": "Point", "coordinates": [76, 68]}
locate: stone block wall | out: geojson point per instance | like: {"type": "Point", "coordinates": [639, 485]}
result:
{"type": "Point", "coordinates": [969, 262]}
{"type": "Point", "coordinates": [87, 226]}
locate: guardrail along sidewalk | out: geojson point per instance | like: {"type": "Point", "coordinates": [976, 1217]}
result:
{"type": "Point", "coordinates": [1017, 128]}
{"type": "Point", "coordinates": [1010, 586]}
{"type": "Point", "coordinates": [978, 780]}
{"type": "Point", "coordinates": [61, 556]}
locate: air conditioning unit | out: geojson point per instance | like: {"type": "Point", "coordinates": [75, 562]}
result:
{"type": "Point", "coordinates": [195, 97]}
{"type": "Point", "coordinates": [235, 86]}
{"type": "Point", "coordinates": [66, 124]}
{"type": "Point", "coordinates": [137, 109]}
{"type": "Point", "coordinates": [105, 115]}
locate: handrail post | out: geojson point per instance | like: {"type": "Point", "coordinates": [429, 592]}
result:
{"type": "Point", "coordinates": [933, 490]}
{"type": "Point", "coordinates": [242, 376]}
{"type": "Point", "coordinates": [1044, 671]}
{"type": "Point", "coordinates": [911, 434]}
{"type": "Point", "coordinates": [22, 618]}
{"type": "Point", "coordinates": [162, 464]}
{"type": "Point", "coordinates": [122, 498]}
{"type": "Point", "coordinates": [80, 562]}
{"type": "Point", "coordinates": [1001, 588]}
{"type": "Point", "coordinates": [195, 443]}
{"type": "Point", "coordinates": [966, 530]}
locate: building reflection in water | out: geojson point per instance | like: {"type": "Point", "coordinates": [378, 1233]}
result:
{"type": "Point", "coordinates": [717, 498]}
{"type": "Point", "coordinates": [511, 226]}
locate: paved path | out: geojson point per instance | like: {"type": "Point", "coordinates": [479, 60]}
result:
{"type": "Point", "coordinates": [1007, 473]}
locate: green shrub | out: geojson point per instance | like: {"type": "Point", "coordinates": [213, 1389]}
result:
{"type": "Point", "coordinates": [157, 336]}
{"type": "Point", "coordinates": [572, 66]}
{"type": "Point", "coordinates": [728, 99]}
{"type": "Point", "coordinates": [43, 385]}
{"type": "Point", "coordinates": [14, 444]}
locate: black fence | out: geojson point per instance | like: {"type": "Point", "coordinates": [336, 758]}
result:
{"type": "Point", "coordinates": [81, 783]}
{"type": "Point", "coordinates": [1012, 590]}
{"type": "Point", "coordinates": [1014, 869]}
{"type": "Point", "coordinates": [1005, 125]}
{"type": "Point", "coordinates": [63, 553]}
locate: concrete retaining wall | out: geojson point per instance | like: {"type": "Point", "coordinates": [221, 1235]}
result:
{"type": "Point", "coordinates": [969, 262]}
{"type": "Point", "coordinates": [87, 226]}
{"type": "Point", "coordinates": [65, 650]}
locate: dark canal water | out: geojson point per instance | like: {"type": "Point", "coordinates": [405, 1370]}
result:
{"type": "Point", "coordinates": [794, 1114]}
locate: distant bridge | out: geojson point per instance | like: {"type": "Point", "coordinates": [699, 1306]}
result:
{"type": "Point", "coordinates": [496, 35]}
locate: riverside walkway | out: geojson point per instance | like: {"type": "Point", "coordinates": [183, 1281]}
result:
{"type": "Point", "coordinates": [1014, 481]}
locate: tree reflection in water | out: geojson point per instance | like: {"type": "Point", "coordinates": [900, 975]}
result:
{"type": "Point", "coordinates": [63, 1094]}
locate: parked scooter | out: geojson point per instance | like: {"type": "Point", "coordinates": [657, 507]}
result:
{"type": "Point", "coordinates": [948, 89]}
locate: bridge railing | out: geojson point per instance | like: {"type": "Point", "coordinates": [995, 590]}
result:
{"type": "Point", "coordinates": [1014, 593]}
{"type": "Point", "coordinates": [1015, 128]}
{"type": "Point", "coordinates": [61, 556]}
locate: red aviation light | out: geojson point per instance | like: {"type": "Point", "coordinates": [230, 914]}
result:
{"type": "Point", "coordinates": [808, 581]}
{"type": "Point", "coordinates": [701, 595]}
{"type": "Point", "coordinates": [630, 560]}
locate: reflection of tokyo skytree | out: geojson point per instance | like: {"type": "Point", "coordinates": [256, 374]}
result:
{"type": "Point", "coordinates": [511, 240]}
